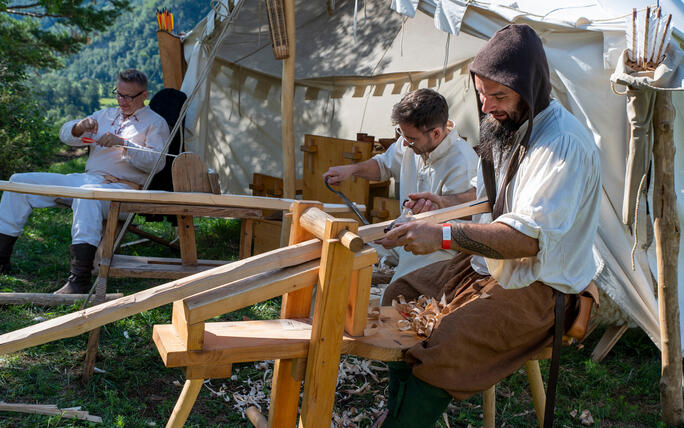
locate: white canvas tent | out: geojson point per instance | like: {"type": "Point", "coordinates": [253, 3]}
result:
{"type": "Point", "coordinates": [354, 64]}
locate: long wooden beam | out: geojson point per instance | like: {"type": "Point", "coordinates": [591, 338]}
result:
{"type": "Point", "coordinates": [82, 321]}
{"type": "Point", "coordinates": [162, 197]}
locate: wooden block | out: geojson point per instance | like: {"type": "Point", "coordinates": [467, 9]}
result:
{"type": "Point", "coordinates": [192, 334]}
{"type": "Point", "coordinates": [357, 305]}
{"type": "Point", "coordinates": [385, 209]}
{"type": "Point", "coordinates": [208, 372]}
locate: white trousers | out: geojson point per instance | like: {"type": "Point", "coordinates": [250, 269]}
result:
{"type": "Point", "coordinates": [88, 214]}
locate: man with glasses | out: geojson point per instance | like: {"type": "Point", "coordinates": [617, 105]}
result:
{"type": "Point", "coordinates": [126, 143]}
{"type": "Point", "coordinates": [434, 166]}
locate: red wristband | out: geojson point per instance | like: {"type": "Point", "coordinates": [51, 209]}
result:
{"type": "Point", "coordinates": [446, 236]}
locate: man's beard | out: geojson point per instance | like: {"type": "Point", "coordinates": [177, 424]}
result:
{"type": "Point", "coordinates": [496, 137]}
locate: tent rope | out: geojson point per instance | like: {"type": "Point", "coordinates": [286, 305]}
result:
{"type": "Point", "coordinates": [636, 220]}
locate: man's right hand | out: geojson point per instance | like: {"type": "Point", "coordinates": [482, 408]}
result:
{"type": "Point", "coordinates": [338, 174]}
{"type": "Point", "coordinates": [86, 125]}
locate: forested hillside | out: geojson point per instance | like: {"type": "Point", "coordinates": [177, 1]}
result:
{"type": "Point", "coordinates": [130, 42]}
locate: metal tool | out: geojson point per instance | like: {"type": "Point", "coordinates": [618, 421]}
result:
{"type": "Point", "coordinates": [405, 216]}
{"type": "Point", "coordinates": [349, 203]}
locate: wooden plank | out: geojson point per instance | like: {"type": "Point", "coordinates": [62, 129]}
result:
{"type": "Point", "coordinates": [245, 341]}
{"type": "Point", "coordinates": [264, 286]}
{"type": "Point", "coordinates": [78, 322]}
{"type": "Point", "coordinates": [196, 210]}
{"type": "Point", "coordinates": [47, 299]}
{"type": "Point", "coordinates": [81, 321]}
{"type": "Point", "coordinates": [258, 288]}
{"type": "Point", "coordinates": [328, 326]}
{"type": "Point", "coordinates": [233, 342]}
{"type": "Point", "coordinates": [375, 231]}
{"type": "Point", "coordinates": [48, 409]}
{"type": "Point", "coordinates": [159, 196]}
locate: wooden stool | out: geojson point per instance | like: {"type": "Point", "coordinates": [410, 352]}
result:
{"type": "Point", "coordinates": [577, 331]}
{"type": "Point", "coordinates": [536, 390]}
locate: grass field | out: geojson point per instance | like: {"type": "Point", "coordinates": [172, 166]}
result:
{"type": "Point", "coordinates": [133, 388]}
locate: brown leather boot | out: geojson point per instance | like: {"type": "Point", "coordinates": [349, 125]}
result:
{"type": "Point", "coordinates": [6, 246]}
{"type": "Point", "coordinates": [79, 282]}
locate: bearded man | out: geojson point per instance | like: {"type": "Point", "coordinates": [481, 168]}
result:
{"type": "Point", "coordinates": [540, 167]}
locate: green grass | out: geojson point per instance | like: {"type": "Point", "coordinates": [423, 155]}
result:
{"type": "Point", "coordinates": [136, 390]}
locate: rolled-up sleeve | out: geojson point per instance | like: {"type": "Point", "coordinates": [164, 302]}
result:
{"type": "Point", "coordinates": [550, 189]}
{"type": "Point", "coordinates": [390, 161]}
{"type": "Point", "coordinates": [67, 137]}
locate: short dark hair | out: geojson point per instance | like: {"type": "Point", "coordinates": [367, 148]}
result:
{"type": "Point", "coordinates": [423, 108]}
{"type": "Point", "coordinates": [135, 76]}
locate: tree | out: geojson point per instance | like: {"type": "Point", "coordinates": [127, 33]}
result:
{"type": "Point", "coordinates": [35, 34]}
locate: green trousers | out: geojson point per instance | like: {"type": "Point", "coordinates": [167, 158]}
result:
{"type": "Point", "coordinates": [412, 403]}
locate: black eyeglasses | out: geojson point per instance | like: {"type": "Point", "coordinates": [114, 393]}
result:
{"type": "Point", "coordinates": [124, 97]}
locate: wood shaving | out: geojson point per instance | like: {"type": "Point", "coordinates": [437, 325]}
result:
{"type": "Point", "coordinates": [422, 315]}
{"type": "Point", "coordinates": [585, 418]}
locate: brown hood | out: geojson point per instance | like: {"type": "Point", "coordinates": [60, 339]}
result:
{"type": "Point", "coordinates": [515, 57]}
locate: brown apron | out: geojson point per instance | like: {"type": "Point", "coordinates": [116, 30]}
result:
{"type": "Point", "coordinates": [490, 333]}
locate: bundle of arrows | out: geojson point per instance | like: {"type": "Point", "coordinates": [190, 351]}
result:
{"type": "Point", "coordinates": [647, 36]}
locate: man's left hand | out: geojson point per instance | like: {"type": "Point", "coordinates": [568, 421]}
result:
{"type": "Point", "coordinates": [110, 140]}
{"type": "Point", "coordinates": [417, 237]}
{"type": "Point", "coordinates": [423, 202]}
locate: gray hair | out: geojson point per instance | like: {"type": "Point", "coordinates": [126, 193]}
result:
{"type": "Point", "coordinates": [133, 75]}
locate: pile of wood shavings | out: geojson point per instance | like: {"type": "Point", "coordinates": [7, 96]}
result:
{"type": "Point", "coordinates": [359, 396]}
{"type": "Point", "coordinates": [422, 315]}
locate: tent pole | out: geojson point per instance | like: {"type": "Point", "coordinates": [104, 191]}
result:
{"type": "Point", "coordinates": [287, 114]}
{"type": "Point", "coordinates": [667, 249]}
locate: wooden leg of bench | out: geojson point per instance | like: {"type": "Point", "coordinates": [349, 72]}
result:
{"type": "Point", "coordinates": [107, 244]}
{"type": "Point", "coordinates": [607, 341]}
{"type": "Point", "coordinates": [246, 237]}
{"type": "Point", "coordinates": [536, 389]}
{"type": "Point", "coordinates": [489, 407]}
{"type": "Point", "coordinates": [181, 411]}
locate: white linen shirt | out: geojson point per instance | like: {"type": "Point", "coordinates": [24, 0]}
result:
{"type": "Point", "coordinates": [554, 197]}
{"type": "Point", "coordinates": [447, 170]}
{"type": "Point", "coordinates": [143, 129]}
